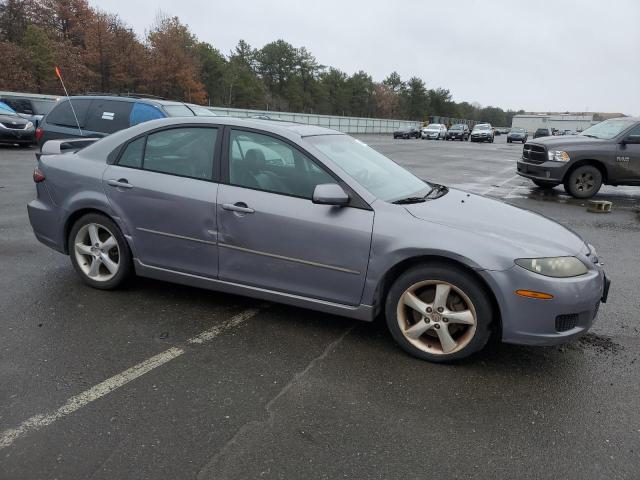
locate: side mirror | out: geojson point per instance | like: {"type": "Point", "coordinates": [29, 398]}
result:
{"type": "Point", "coordinates": [330, 194]}
{"type": "Point", "coordinates": [631, 139]}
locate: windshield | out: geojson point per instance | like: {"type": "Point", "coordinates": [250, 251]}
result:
{"type": "Point", "coordinates": [482, 127]}
{"type": "Point", "coordinates": [379, 175]}
{"type": "Point", "coordinates": [609, 128]}
{"type": "Point", "coordinates": [433, 126]}
{"type": "Point", "coordinates": [6, 109]}
{"type": "Point", "coordinates": [517, 130]}
{"type": "Point", "coordinates": [202, 111]}
{"type": "Point", "coordinates": [178, 111]}
{"type": "Point", "coordinates": [456, 127]}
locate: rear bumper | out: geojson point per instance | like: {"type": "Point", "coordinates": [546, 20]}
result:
{"type": "Point", "coordinates": [569, 314]}
{"type": "Point", "coordinates": [543, 171]}
{"type": "Point", "coordinates": [45, 221]}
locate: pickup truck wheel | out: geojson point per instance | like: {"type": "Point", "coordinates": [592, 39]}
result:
{"type": "Point", "coordinates": [583, 182]}
{"type": "Point", "coordinates": [543, 184]}
{"type": "Point", "coordinates": [438, 313]}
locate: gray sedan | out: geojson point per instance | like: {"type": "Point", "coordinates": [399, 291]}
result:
{"type": "Point", "coordinates": [311, 217]}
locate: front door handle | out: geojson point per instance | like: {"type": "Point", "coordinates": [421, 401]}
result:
{"type": "Point", "coordinates": [120, 183]}
{"type": "Point", "coordinates": [237, 207]}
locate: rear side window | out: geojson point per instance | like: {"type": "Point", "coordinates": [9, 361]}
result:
{"type": "Point", "coordinates": [142, 112]}
{"type": "Point", "coordinates": [132, 156]}
{"type": "Point", "coordinates": [188, 152]}
{"type": "Point", "coordinates": [63, 115]}
{"type": "Point", "coordinates": [108, 116]}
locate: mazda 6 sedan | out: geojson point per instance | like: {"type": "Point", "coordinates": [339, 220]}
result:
{"type": "Point", "coordinates": [312, 217]}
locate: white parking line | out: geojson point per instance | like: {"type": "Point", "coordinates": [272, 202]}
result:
{"type": "Point", "coordinates": [493, 187]}
{"type": "Point", "coordinates": [7, 437]}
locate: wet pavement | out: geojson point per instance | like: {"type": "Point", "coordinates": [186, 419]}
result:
{"type": "Point", "coordinates": [112, 384]}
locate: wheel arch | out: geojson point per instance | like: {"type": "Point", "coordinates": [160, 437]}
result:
{"type": "Point", "coordinates": [392, 274]}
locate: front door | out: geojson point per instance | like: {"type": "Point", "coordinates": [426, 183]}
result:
{"type": "Point", "coordinates": [628, 157]}
{"type": "Point", "coordinates": [162, 189]}
{"type": "Point", "coordinates": [272, 235]}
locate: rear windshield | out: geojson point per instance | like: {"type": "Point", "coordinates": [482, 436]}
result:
{"type": "Point", "coordinates": [178, 111]}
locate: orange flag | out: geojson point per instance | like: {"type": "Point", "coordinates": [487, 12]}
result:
{"type": "Point", "coordinates": [58, 74]}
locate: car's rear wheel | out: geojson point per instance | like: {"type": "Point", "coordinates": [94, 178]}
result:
{"type": "Point", "coordinates": [438, 313]}
{"type": "Point", "coordinates": [99, 252]}
{"type": "Point", "coordinates": [583, 182]}
{"type": "Point", "coordinates": [544, 184]}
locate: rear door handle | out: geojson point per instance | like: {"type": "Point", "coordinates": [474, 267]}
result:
{"type": "Point", "coordinates": [120, 183]}
{"type": "Point", "coordinates": [237, 207]}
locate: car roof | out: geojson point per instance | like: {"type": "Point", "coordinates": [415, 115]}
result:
{"type": "Point", "coordinates": [289, 130]}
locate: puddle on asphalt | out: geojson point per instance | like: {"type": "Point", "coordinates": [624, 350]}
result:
{"type": "Point", "coordinates": [599, 343]}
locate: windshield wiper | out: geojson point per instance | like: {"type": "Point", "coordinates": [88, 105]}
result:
{"type": "Point", "coordinates": [437, 191]}
{"type": "Point", "coordinates": [590, 136]}
{"type": "Point", "coordinates": [410, 200]}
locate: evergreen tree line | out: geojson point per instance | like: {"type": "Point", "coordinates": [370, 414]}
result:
{"type": "Point", "coordinates": [98, 52]}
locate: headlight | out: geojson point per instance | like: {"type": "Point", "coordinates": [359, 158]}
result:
{"type": "Point", "coordinates": [558, 156]}
{"type": "Point", "coordinates": [29, 126]}
{"type": "Point", "coordinates": [558, 267]}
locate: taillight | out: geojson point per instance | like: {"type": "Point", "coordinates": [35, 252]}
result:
{"type": "Point", "coordinates": [39, 133]}
{"type": "Point", "coordinates": [38, 176]}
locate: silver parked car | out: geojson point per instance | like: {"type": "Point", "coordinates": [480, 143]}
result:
{"type": "Point", "coordinates": [434, 131]}
{"type": "Point", "coordinates": [312, 217]}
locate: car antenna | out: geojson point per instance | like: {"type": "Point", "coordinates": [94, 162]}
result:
{"type": "Point", "coordinates": [59, 75]}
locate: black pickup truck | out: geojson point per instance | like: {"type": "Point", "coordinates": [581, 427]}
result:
{"type": "Point", "coordinates": [606, 153]}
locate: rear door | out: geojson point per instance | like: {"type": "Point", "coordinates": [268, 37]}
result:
{"type": "Point", "coordinates": [273, 236]}
{"type": "Point", "coordinates": [164, 189]}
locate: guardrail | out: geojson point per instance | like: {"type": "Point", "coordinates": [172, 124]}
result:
{"type": "Point", "coordinates": [344, 124]}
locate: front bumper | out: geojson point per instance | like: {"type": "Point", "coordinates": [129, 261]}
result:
{"type": "Point", "coordinates": [553, 171]}
{"type": "Point", "coordinates": [569, 314]}
{"type": "Point", "coordinates": [11, 135]}
{"type": "Point", "coordinates": [430, 135]}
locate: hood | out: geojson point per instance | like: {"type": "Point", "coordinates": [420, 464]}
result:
{"type": "Point", "coordinates": [13, 120]}
{"type": "Point", "coordinates": [528, 234]}
{"type": "Point", "coordinates": [568, 141]}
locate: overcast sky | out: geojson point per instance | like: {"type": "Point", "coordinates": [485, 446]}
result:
{"type": "Point", "coordinates": [537, 55]}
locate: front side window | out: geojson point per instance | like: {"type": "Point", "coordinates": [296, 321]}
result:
{"type": "Point", "coordinates": [187, 152]}
{"type": "Point", "coordinates": [376, 173]}
{"type": "Point", "coordinates": [262, 162]}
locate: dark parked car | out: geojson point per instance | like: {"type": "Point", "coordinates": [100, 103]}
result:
{"type": "Point", "coordinates": [33, 109]}
{"type": "Point", "coordinates": [608, 153]}
{"type": "Point", "coordinates": [101, 115]}
{"type": "Point", "coordinates": [460, 131]}
{"type": "Point", "coordinates": [14, 129]}
{"type": "Point", "coordinates": [517, 135]}
{"type": "Point", "coordinates": [543, 132]}
{"type": "Point", "coordinates": [408, 132]}
{"type": "Point", "coordinates": [482, 132]}
{"type": "Point", "coordinates": [285, 212]}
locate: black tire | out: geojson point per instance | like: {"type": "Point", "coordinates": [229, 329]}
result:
{"type": "Point", "coordinates": [508, 141]}
{"type": "Point", "coordinates": [544, 184]}
{"type": "Point", "coordinates": [583, 182]}
{"type": "Point", "coordinates": [460, 279]}
{"type": "Point", "coordinates": [125, 264]}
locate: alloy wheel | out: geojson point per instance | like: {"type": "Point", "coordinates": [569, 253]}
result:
{"type": "Point", "coordinates": [585, 182]}
{"type": "Point", "coordinates": [436, 317]}
{"type": "Point", "coordinates": [97, 252]}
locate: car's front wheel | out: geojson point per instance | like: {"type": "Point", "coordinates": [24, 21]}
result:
{"type": "Point", "coordinates": [99, 252]}
{"type": "Point", "coordinates": [438, 313]}
{"type": "Point", "coordinates": [583, 182]}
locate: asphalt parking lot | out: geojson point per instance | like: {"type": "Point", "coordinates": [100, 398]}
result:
{"type": "Point", "coordinates": [164, 381]}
